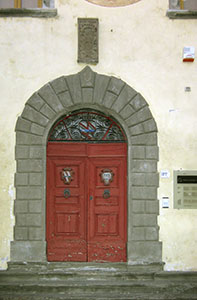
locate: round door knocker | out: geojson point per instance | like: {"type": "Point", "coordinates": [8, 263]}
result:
{"type": "Point", "coordinates": [66, 193]}
{"type": "Point", "coordinates": [106, 194]}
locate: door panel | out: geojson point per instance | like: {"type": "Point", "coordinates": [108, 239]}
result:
{"type": "Point", "coordinates": [107, 215]}
{"type": "Point", "coordinates": [107, 150]}
{"type": "Point", "coordinates": [66, 230]}
{"type": "Point", "coordinates": [86, 213]}
{"type": "Point", "coordinates": [56, 149]}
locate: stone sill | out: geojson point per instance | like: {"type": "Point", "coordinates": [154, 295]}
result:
{"type": "Point", "coordinates": [30, 12]}
{"type": "Point", "coordinates": [181, 14]}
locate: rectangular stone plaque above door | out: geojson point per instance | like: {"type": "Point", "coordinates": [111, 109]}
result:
{"type": "Point", "coordinates": [88, 40]}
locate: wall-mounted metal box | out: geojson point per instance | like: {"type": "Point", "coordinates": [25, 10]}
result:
{"type": "Point", "coordinates": [185, 189]}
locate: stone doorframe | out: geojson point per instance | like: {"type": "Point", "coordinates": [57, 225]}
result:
{"type": "Point", "coordinates": [59, 97]}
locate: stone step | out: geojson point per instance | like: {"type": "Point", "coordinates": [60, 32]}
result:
{"type": "Point", "coordinates": [88, 267]}
{"type": "Point", "coordinates": [94, 275]}
{"type": "Point", "coordinates": [88, 287]}
{"type": "Point", "coordinates": [114, 296]}
{"type": "Point", "coordinates": [100, 281]}
{"type": "Point", "coordinates": [10, 277]}
{"type": "Point", "coordinates": [98, 297]}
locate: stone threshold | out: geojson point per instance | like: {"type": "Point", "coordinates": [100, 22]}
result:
{"type": "Point", "coordinates": [83, 267]}
{"type": "Point", "coordinates": [34, 12]}
{"type": "Point", "coordinates": [181, 14]}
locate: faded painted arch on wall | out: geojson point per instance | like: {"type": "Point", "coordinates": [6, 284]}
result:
{"type": "Point", "coordinates": [113, 3]}
{"type": "Point", "coordinates": [115, 98]}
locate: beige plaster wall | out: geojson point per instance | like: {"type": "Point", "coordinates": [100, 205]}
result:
{"type": "Point", "coordinates": [139, 44]}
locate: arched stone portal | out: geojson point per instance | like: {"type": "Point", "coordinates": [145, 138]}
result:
{"type": "Point", "coordinates": [115, 98]}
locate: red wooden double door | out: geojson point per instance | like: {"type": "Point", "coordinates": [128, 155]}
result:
{"type": "Point", "coordinates": [86, 202]}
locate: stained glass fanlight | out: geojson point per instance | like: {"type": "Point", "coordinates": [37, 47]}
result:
{"type": "Point", "coordinates": [87, 126]}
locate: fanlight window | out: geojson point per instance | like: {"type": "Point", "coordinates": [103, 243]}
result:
{"type": "Point", "coordinates": [87, 126]}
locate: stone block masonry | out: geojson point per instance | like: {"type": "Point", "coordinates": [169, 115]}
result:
{"type": "Point", "coordinates": [59, 97]}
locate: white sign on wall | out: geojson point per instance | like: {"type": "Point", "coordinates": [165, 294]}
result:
{"type": "Point", "coordinates": [165, 202]}
{"type": "Point", "coordinates": [165, 174]}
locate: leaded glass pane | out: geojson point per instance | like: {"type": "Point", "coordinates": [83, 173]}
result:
{"type": "Point", "coordinates": [87, 126]}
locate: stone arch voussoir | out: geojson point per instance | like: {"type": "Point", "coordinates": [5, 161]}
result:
{"type": "Point", "coordinates": [59, 97]}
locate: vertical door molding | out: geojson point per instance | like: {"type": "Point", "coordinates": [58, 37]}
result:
{"type": "Point", "coordinates": [61, 96]}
